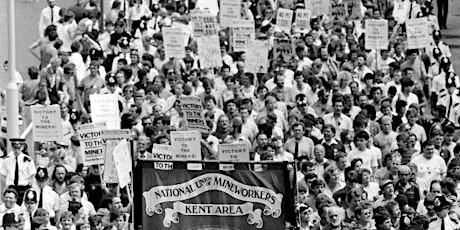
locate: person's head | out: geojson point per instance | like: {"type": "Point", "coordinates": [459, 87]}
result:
{"type": "Point", "coordinates": [383, 221]}
{"type": "Point", "coordinates": [404, 174]}
{"type": "Point", "coordinates": [355, 197]}
{"type": "Point", "coordinates": [428, 149]}
{"type": "Point", "coordinates": [361, 140]}
{"type": "Point", "coordinates": [407, 84]}
{"type": "Point", "coordinates": [261, 139]}
{"type": "Point", "coordinates": [75, 191]}
{"type": "Point", "coordinates": [59, 173]}
{"type": "Point", "coordinates": [30, 200]}
{"type": "Point", "coordinates": [364, 212]}
{"type": "Point", "coordinates": [412, 116]}
{"type": "Point", "coordinates": [337, 103]}
{"type": "Point", "coordinates": [403, 141]}
{"type": "Point", "coordinates": [317, 187]}
{"type": "Point", "coordinates": [298, 129]}
{"type": "Point", "coordinates": [319, 152]}
{"type": "Point", "coordinates": [328, 132]}
{"type": "Point", "coordinates": [304, 212]}
{"type": "Point", "coordinates": [340, 160]}
{"type": "Point", "coordinates": [356, 164]}
{"type": "Point", "coordinates": [66, 220]}
{"type": "Point", "coordinates": [385, 124]}
{"type": "Point", "coordinates": [387, 188]}
{"type": "Point", "coordinates": [223, 123]}
{"type": "Point", "coordinates": [10, 197]}
{"type": "Point", "coordinates": [331, 174]}
{"type": "Point", "coordinates": [51, 3]}
{"type": "Point", "coordinates": [12, 221]}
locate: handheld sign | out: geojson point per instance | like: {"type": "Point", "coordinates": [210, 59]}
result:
{"type": "Point", "coordinates": [123, 164]}
{"type": "Point", "coordinates": [196, 16]}
{"type": "Point", "coordinates": [47, 123]}
{"type": "Point", "coordinates": [256, 57]}
{"type": "Point", "coordinates": [209, 51]}
{"type": "Point", "coordinates": [376, 36]}
{"type": "Point", "coordinates": [284, 20]}
{"type": "Point", "coordinates": [104, 108]}
{"type": "Point", "coordinates": [92, 143]}
{"type": "Point", "coordinates": [318, 7]}
{"type": "Point", "coordinates": [242, 32]}
{"type": "Point", "coordinates": [234, 152]}
{"type": "Point", "coordinates": [353, 9]}
{"type": "Point", "coordinates": [162, 152]}
{"type": "Point", "coordinates": [210, 25]}
{"type": "Point", "coordinates": [173, 42]}
{"type": "Point", "coordinates": [302, 20]}
{"type": "Point", "coordinates": [186, 145]}
{"type": "Point", "coordinates": [417, 33]}
{"type": "Point", "coordinates": [186, 31]}
{"type": "Point", "coordinates": [110, 172]}
{"type": "Point", "coordinates": [229, 10]}
{"type": "Point", "coordinates": [193, 110]}
{"type": "Point", "coordinates": [282, 51]}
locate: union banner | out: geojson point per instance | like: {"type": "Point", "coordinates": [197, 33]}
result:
{"type": "Point", "coordinates": [211, 198]}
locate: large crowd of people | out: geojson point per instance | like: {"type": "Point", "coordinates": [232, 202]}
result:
{"type": "Point", "coordinates": [373, 133]}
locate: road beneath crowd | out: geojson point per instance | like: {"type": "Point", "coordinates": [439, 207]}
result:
{"type": "Point", "coordinates": [28, 14]}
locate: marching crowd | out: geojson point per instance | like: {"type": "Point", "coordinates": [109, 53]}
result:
{"type": "Point", "coordinates": [373, 133]}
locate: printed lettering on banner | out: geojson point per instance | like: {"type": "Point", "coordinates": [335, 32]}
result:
{"type": "Point", "coordinates": [92, 143]}
{"type": "Point", "coordinates": [162, 152]}
{"type": "Point", "coordinates": [196, 16]}
{"type": "Point", "coordinates": [234, 152]}
{"type": "Point", "coordinates": [302, 20]}
{"type": "Point", "coordinates": [186, 31]}
{"type": "Point", "coordinates": [229, 10]}
{"type": "Point", "coordinates": [284, 20]}
{"type": "Point", "coordinates": [257, 57]}
{"type": "Point", "coordinates": [173, 42]}
{"type": "Point", "coordinates": [338, 11]}
{"type": "Point", "coordinates": [209, 51]}
{"type": "Point", "coordinates": [186, 145]}
{"type": "Point", "coordinates": [376, 36]}
{"type": "Point", "coordinates": [353, 9]}
{"type": "Point", "coordinates": [242, 32]}
{"type": "Point", "coordinates": [210, 25]}
{"type": "Point", "coordinates": [417, 33]}
{"type": "Point", "coordinates": [282, 51]}
{"type": "Point", "coordinates": [46, 123]}
{"type": "Point", "coordinates": [123, 164]}
{"type": "Point", "coordinates": [104, 108]}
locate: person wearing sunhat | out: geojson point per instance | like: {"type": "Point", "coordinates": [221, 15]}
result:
{"type": "Point", "coordinates": [18, 169]}
{"type": "Point", "coordinates": [29, 207]}
{"type": "Point", "coordinates": [12, 221]}
{"type": "Point", "coordinates": [306, 216]}
{"type": "Point", "coordinates": [443, 222]}
{"type": "Point", "coordinates": [48, 199]}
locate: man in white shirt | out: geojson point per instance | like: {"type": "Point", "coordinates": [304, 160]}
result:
{"type": "Point", "coordinates": [10, 196]}
{"type": "Point", "coordinates": [49, 16]}
{"type": "Point", "coordinates": [339, 120]}
{"type": "Point", "coordinates": [443, 222]}
{"type": "Point", "coordinates": [46, 197]}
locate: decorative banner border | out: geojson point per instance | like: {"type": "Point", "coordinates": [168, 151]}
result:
{"type": "Point", "coordinates": [213, 182]}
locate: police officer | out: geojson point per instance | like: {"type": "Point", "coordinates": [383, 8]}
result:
{"type": "Point", "coordinates": [29, 207]}
{"type": "Point", "coordinates": [18, 169]}
{"type": "Point", "coordinates": [450, 100]}
{"type": "Point", "coordinates": [443, 222]}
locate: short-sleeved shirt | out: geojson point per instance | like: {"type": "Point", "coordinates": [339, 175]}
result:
{"type": "Point", "coordinates": [26, 169]}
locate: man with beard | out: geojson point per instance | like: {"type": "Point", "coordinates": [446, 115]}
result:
{"type": "Point", "coordinates": [57, 182]}
{"type": "Point", "coordinates": [10, 197]}
{"type": "Point", "coordinates": [407, 187]}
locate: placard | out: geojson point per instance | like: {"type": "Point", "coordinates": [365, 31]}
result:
{"type": "Point", "coordinates": [123, 163]}
{"type": "Point", "coordinates": [162, 152]}
{"type": "Point", "coordinates": [257, 57]}
{"type": "Point", "coordinates": [302, 20]}
{"type": "Point", "coordinates": [46, 123]}
{"type": "Point", "coordinates": [193, 112]}
{"type": "Point", "coordinates": [284, 20]}
{"type": "Point", "coordinates": [110, 172]}
{"type": "Point", "coordinates": [242, 32]}
{"type": "Point", "coordinates": [211, 5]}
{"type": "Point", "coordinates": [234, 152]}
{"type": "Point", "coordinates": [210, 25]}
{"type": "Point", "coordinates": [92, 144]}
{"type": "Point", "coordinates": [376, 36]}
{"type": "Point", "coordinates": [229, 10]}
{"type": "Point", "coordinates": [209, 52]}
{"type": "Point", "coordinates": [338, 11]}
{"type": "Point", "coordinates": [186, 145]}
{"type": "Point", "coordinates": [196, 16]}
{"type": "Point", "coordinates": [282, 50]}
{"type": "Point", "coordinates": [417, 33]}
{"type": "Point", "coordinates": [186, 31]}
{"type": "Point", "coordinates": [318, 7]}
{"type": "Point", "coordinates": [104, 108]}
{"type": "Point", "coordinates": [173, 42]}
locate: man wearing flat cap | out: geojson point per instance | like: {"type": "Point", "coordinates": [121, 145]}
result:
{"type": "Point", "coordinates": [443, 222]}
{"type": "Point", "coordinates": [18, 169]}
